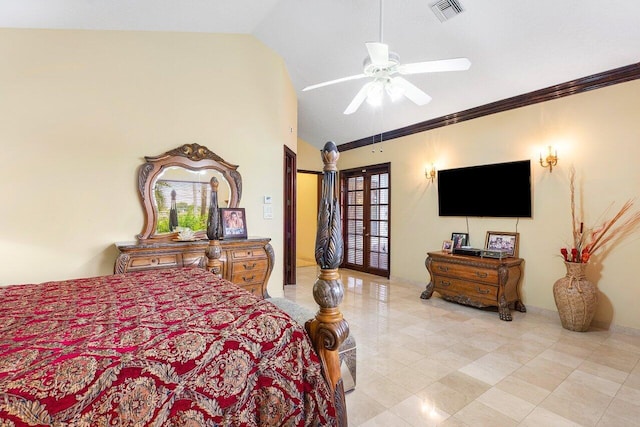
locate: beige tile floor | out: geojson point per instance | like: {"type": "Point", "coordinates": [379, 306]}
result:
{"type": "Point", "coordinates": [432, 362]}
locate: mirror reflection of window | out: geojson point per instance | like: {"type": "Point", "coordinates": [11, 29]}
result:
{"type": "Point", "coordinates": [192, 197]}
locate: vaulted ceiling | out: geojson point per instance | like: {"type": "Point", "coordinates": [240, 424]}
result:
{"type": "Point", "coordinates": [515, 47]}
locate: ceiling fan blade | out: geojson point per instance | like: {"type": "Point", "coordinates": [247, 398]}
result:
{"type": "Point", "coordinates": [331, 82]}
{"type": "Point", "coordinates": [410, 91]}
{"type": "Point", "coordinates": [358, 99]}
{"type": "Point", "coordinates": [456, 64]}
{"type": "Point", "coordinates": [378, 52]}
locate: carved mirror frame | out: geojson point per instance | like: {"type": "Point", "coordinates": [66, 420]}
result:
{"type": "Point", "coordinates": [190, 156]}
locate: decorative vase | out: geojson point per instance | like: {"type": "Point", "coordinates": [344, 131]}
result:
{"type": "Point", "coordinates": [576, 298]}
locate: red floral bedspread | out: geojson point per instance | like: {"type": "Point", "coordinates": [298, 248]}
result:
{"type": "Point", "coordinates": [167, 347]}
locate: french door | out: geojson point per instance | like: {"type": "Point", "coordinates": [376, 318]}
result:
{"type": "Point", "coordinates": [366, 195]}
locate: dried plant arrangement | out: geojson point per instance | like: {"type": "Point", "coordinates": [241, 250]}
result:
{"type": "Point", "coordinates": [588, 240]}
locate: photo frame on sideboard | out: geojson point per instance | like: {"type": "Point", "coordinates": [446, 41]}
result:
{"type": "Point", "coordinates": [447, 246]}
{"type": "Point", "coordinates": [234, 223]}
{"type": "Point", "coordinates": [503, 241]}
{"type": "Point", "coordinates": [460, 239]}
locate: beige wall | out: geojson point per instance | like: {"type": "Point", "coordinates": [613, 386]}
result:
{"type": "Point", "coordinates": [80, 109]}
{"type": "Point", "coordinates": [309, 157]}
{"type": "Point", "coordinates": [598, 132]}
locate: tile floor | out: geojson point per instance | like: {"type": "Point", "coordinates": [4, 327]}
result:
{"type": "Point", "coordinates": [432, 362]}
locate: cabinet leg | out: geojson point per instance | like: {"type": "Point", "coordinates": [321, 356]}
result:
{"type": "Point", "coordinates": [520, 307]}
{"type": "Point", "coordinates": [426, 294]}
{"type": "Point", "coordinates": [503, 309]}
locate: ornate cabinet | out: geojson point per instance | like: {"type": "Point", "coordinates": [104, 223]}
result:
{"type": "Point", "coordinates": [245, 262]}
{"type": "Point", "coordinates": [187, 174]}
{"type": "Point", "coordinates": [475, 281]}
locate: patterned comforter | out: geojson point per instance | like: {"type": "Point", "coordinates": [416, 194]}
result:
{"type": "Point", "coordinates": [166, 347]}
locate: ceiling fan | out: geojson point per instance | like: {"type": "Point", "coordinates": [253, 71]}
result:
{"type": "Point", "coordinates": [383, 67]}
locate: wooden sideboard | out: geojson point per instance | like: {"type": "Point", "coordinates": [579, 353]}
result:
{"type": "Point", "coordinates": [476, 281]}
{"type": "Point", "coordinates": [245, 262]}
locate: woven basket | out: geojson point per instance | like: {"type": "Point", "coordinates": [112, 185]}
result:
{"type": "Point", "coordinates": [576, 298]}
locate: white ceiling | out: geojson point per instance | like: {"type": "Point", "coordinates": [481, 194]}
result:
{"type": "Point", "coordinates": [514, 46]}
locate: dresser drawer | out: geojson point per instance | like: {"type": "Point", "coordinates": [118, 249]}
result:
{"type": "Point", "coordinates": [248, 253]}
{"type": "Point", "coordinates": [249, 265]}
{"type": "Point", "coordinates": [154, 261]}
{"type": "Point", "coordinates": [468, 272]}
{"type": "Point", "coordinates": [248, 277]}
{"type": "Point", "coordinates": [475, 291]}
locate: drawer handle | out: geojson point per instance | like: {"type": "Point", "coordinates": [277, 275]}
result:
{"type": "Point", "coordinates": [249, 267]}
{"type": "Point", "coordinates": [482, 291]}
{"type": "Point", "coordinates": [248, 279]}
{"type": "Point", "coordinates": [445, 284]}
{"type": "Point", "coordinates": [443, 268]}
{"type": "Point", "coordinates": [481, 274]}
{"type": "Point", "coordinates": [154, 260]}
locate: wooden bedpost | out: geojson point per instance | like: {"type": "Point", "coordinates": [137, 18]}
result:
{"type": "Point", "coordinates": [329, 329]}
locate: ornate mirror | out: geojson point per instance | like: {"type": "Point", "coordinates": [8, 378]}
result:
{"type": "Point", "coordinates": [175, 190]}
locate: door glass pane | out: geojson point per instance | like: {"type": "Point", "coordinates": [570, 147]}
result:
{"type": "Point", "coordinates": [359, 212]}
{"type": "Point", "coordinates": [374, 244]}
{"type": "Point", "coordinates": [374, 197]}
{"type": "Point", "coordinates": [384, 213]}
{"type": "Point", "coordinates": [358, 227]}
{"type": "Point", "coordinates": [351, 198]}
{"type": "Point", "coordinates": [374, 212]}
{"type": "Point", "coordinates": [383, 261]}
{"type": "Point", "coordinates": [374, 227]}
{"type": "Point", "coordinates": [351, 227]}
{"type": "Point", "coordinates": [359, 183]}
{"type": "Point", "coordinates": [384, 244]}
{"type": "Point", "coordinates": [351, 184]}
{"type": "Point", "coordinates": [374, 181]}
{"type": "Point", "coordinates": [373, 260]}
{"type": "Point", "coordinates": [384, 180]}
{"type": "Point", "coordinates": [384, 196]}
{"type": "Point", "coordinates": [384, 229]}
{"type": "Point", "coordinates": [359, 198]}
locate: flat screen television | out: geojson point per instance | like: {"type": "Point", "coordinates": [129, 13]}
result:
{"type": "Point", "coordinates": [495, 190]}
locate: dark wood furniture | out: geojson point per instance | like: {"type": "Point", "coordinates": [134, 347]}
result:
{"type": "Point", "coordinates": [245, 262]}
{"type": "Point", "coordinates": [476, 281]}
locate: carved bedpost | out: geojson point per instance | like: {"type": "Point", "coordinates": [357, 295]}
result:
{"type": "Point", "coordinates": [329, 329]}
{"type": "Point", "coordinates": [213, 231]}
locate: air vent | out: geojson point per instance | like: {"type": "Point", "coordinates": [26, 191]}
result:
{"type": "Point", "coordinates": [446, 9]}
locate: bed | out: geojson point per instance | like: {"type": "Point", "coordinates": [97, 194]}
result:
{"type": "Point", "coordinates": [175, 346]}
{"type": "Point", "coordinates": [160, 347]}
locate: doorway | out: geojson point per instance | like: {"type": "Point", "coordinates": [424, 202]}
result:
{"type": "Point", "coordinates": [289, 276]}
{"type": "Point", "coordinates": [366, 195]}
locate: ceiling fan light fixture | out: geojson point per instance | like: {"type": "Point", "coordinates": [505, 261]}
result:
{"type": "Point", "coordinates": [395, 92]}
{"type": "Point", "coordinates": [375, 94]}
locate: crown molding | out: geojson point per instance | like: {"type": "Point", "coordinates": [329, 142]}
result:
{"type": "Point", "coordinates": [573, 87]}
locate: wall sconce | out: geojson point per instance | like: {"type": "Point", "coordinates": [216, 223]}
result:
{"type": "Point", "coordinates": [430, 173]}
{"type": "Point", "coordinates": [551, 160]}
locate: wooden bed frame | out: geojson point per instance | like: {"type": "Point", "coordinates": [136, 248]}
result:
{"type": "Point", "coordinates": [328, 329]}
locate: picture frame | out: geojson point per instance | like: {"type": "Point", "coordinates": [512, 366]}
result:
{"type": "Point", "coordinates": [460, 239]}
{"type": "Point", "coordinates": [501, 240]}
{"type": "Point", "coordinates": [234, 223]}
{"type": "Point", "coordinates": [447, 246]}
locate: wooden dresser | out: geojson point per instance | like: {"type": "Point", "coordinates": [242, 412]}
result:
{"type": "Point", "coordinates": [476, 281]}
{"type": "Point", "coordinates": [245, 262]}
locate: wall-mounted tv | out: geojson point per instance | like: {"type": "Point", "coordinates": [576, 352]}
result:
{"type": "Point", "coordinates": [495, 190]}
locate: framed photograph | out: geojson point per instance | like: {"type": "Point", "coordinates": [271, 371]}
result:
{"type": "Point", "coordinates": [447, 246]}
{"type": "Point", "coordinates": [460, 239]}
{"type": "Point", "coordinates": [500, 240]}
{"type": "Point", "coordinates": [234, 223]}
